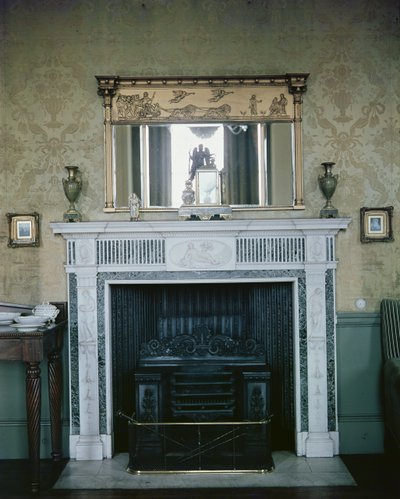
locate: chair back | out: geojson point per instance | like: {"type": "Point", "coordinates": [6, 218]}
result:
{"type": "Point", "coordinates": [390, 328]}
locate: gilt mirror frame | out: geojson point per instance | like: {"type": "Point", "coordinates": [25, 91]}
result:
{"type": "Point", "coordinates": [232, 102]}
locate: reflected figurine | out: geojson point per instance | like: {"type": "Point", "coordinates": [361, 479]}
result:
{"type": "Point", "coordinates": [200, 157]}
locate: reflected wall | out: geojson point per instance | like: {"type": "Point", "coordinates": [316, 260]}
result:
{"type": "Point", "coordinates": [154, 161]}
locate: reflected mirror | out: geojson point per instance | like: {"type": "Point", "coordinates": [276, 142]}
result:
{"type": "Point", "coordinates": [237, 142]}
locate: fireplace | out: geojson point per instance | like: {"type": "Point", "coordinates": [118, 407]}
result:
{"type": "Point", "coordinates": [298, 254]}
{"type": "Point", "coordinates": [229, 327]}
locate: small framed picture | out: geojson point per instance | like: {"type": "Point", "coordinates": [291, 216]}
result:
{"type": "Point", "coordinates": [376, 224]}
{"type": "Point", "coordinates": [23, 229]}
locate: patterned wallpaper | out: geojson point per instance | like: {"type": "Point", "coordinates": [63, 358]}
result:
{"type": "Point", "coordinates": [51, 115]}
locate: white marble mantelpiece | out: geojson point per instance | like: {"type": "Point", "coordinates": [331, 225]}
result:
{"type": "Point", "coordinates": [301, 251]}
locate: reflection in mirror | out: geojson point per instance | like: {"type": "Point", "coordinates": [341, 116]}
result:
{"type": "Point", "coordinates": [154, 161]}
{"type": "Point", "coordinates": [161, 135]}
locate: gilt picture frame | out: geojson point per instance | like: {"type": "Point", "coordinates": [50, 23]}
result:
{"type": "Point", "coordinates": [376, 224]}
{"type": "Point", "coordinates": [23, 230]}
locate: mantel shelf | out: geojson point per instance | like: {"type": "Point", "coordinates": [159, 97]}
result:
{"type": "Point", "coordinates": [328, 225]}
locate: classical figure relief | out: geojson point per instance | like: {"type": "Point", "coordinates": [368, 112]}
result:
{"type": "Point", "coordinates": [87, 334]}
{"type": "Point", "coordinates": [316, 308]}
{"type": "Point", "coordinates": [186, 112]}
{"type": "Point", "coordinates": [218, 94]}
{"type": "Point", "coordinates": [191, 111]}
{"type": "Point", "coordinates": [253, 105]}
{"type": "Point", "coordinates": [134, 106]}
{"type": "Point", "coordinates": [200, 254]}
{"type": "Point", "coordinates": [222, 112]}
{"type": "Point", "coordinates": [85, 252]}
{"type": "Point", "coordinates": [179, 95]}
{"type": "Point", "coordinates": [278, 106]}
{"type": "Point", "coordinates": [87, 302]}
{"type": "Point", "coordinates": [152, 105]}
{"type": "Point", "coordinates": [144, 106]}
{"type": "Point", "coordinates": [276, 109]}
{"type": "Point", "coordinates": [197, 257]}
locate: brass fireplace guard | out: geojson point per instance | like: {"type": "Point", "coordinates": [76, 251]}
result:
{"type": "Point", "coordinates": [199, 446]}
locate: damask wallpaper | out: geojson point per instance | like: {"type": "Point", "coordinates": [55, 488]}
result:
{"type": "Point", "coordinates": [51, 115]}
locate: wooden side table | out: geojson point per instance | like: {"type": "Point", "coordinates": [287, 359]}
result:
{"type": "Point", "coordinates": [32, 348]}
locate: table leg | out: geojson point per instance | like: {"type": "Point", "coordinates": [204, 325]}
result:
{"type": "Point", "coordinates": [55, 388]}
{"type": "Point", "coordinates": [33, 403]}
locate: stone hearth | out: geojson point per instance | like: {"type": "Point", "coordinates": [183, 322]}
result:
{"type": "Point", "coordinates": [300, 251]}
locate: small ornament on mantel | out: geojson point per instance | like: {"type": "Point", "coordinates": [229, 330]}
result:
{"type": "Point", "coordinates": [72, 188]}
{"type": "Point", "coordinates": [134, 204]}
{"type": "Point", "coordinates": [327, 184]}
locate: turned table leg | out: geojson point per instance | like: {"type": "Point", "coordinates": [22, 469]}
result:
{"type": "Point", "coordinates": [33, 402]}
{"type": "Point", "coordinates": [55, 387]}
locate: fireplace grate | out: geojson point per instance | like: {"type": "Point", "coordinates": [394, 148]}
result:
{"type": "Point", "coordinates": [203, 395]}
{"type": "Point", "coordinates": [201, 416]}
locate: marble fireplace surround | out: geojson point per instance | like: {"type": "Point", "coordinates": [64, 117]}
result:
{"type": "Point", "coordinates": [300, 251]}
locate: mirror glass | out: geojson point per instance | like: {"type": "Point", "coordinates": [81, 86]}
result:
{"type": "Point", "coordinates": [233, 142]}
{"type": "Point", "coordinates": [154, 161]}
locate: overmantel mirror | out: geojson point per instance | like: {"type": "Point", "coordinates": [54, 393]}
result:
{"type": "Point", "coordinates": [229, 141]}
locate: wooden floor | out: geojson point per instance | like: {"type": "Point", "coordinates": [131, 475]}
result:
{"type": "Point", "coordinates": [377, 476]}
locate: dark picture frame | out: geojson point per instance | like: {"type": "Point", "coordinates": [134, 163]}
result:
{"type": "Point", "coordinates": [376, 224]}
{"type": "Point", "coordinates": [23, 229]}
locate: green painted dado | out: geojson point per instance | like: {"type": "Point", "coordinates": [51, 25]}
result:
{"type": "Point", "coordinates": [13, 429]}
{"type": "Point", "coordinates": [359, 383]}
{"type": "Point", "coordinates": [51, 117]}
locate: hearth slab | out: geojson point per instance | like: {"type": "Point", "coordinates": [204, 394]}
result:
{"type": "Point", "coordinates": [290, 471]}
